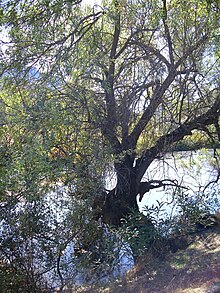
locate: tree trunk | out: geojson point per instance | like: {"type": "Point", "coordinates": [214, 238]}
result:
{"type": "Point", "coordinates": [120, 201]}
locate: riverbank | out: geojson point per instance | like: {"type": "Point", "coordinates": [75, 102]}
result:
{"type": "Point", "coordinates": [193, 269]}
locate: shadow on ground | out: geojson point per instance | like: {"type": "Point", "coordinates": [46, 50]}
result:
{"type": "Point", "coordinates": [194, 269]}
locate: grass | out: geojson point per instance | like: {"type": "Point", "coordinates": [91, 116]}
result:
{"type": "Point", "coordinates": [193, 269]}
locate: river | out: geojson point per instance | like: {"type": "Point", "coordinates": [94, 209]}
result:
{"type": "Point", "coordinates": [192, 170]}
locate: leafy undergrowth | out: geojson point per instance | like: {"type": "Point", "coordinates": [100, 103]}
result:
{"type": "Point", "coordinates": [193, 269]}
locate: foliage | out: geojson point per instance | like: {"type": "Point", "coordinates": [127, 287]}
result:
{"type": "Point", "coordinates": [196, 211]}
{"type": "Point", "coordinates": [144, 231]}
{"type": "Point", "coordinates": [48, 244]}
{"type": "Point", "coordinates": [198, 140]}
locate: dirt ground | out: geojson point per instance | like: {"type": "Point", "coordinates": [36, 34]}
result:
{"type": "Point", "coordinates": [194, 269]}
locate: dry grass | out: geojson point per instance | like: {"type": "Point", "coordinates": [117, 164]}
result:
{"type": "Point", "coordinates": [194, 269]}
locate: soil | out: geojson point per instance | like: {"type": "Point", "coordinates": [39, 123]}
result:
{"type": "Point", "coordinates": [193, 269]}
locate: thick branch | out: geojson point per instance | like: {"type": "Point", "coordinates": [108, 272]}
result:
{"type": "Point", "coordinates": [152, 184]}
{"type": "Point", "coordinates": [150, 111]}
{"type": "Point", "coordinates": [167, 140]}
{"type": "Point", "coordinates": [111, 123]}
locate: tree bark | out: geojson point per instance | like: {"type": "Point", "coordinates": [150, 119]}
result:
{"type": "Point", "coordinates": [120, 201]}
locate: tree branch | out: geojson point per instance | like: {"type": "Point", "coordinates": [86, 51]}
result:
{"type": "Point", "coordinates": [145, 187]}
{"type": "Point", "coordinates": [179, 133]}
{"type": "Point", "coordinates": [167, 33]}
{"type": "Point", "coordinates": [131, 41]}
{"type": "Point", "coordinates": [58, 270]}
{"type": "Point", "coordinates": [150, 111]}
{"type": "Point", "coordinates": [111, 123]}
{"type": "Point", "coordinates": [213, 181]}
{"type": "Point", "coordinates": [150, 49]}
{"type": "Point", "coordinates": [156, 99]}
{"type": "Point", "coordinates": [189, 51]}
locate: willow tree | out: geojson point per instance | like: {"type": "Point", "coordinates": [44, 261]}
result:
{"type": "Point", "coordinates": [131, 78]}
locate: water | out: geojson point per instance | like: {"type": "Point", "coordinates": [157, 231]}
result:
{"type": "Point", "coordinates": [191, 170]}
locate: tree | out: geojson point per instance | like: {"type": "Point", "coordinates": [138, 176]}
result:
{"type": "Point", "coordinates": [121, 83]}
